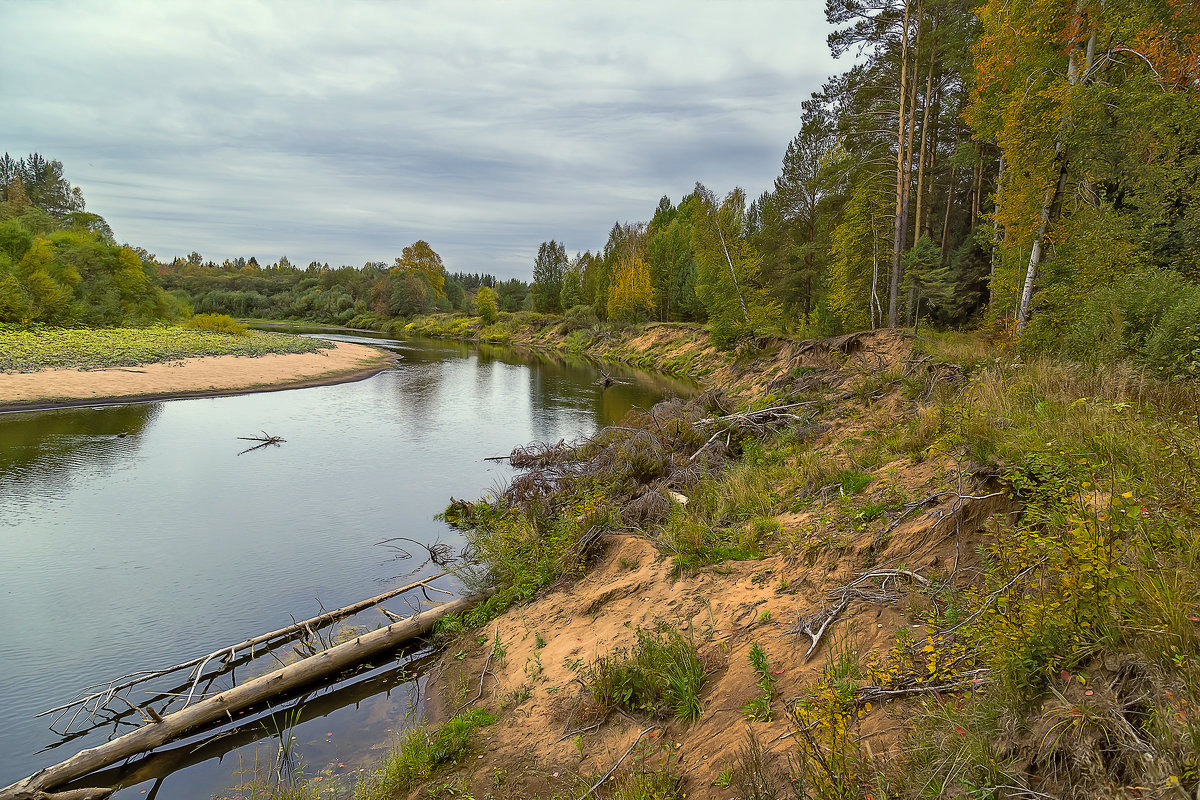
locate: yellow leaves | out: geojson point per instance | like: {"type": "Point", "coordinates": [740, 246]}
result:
{"type": "Point", "coordinates": [631, 294]}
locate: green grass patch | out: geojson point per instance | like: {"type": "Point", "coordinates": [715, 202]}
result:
{"type": "Point", "coordinates": [661, 676]}
{"type": "Point", "coordinates": [419, 754]}
{"type": "Point", "coordinates": [759, 707]}
{"type": "Point", "coordinates": [39, 348]}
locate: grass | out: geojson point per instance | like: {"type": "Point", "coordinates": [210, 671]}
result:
{"type": "Point", "coordinates": [39, 348]}
{"type": "Point", "coordinates": [661, 676]}
{"type": "Point", "coordinates": [754, 775]}
{"type": "Point", "coordinates": [419, 755]}
{"type": "Point", "coordinates": [1084, 608]}
{"type": "Point", "coordinates": [1095, 587]}
{"type": "Point", "coordinates": [650, 784]}
{"type": "Point", "coordinates": [759, 707]}
{"type": "Point", "coordinates": [728, 514]}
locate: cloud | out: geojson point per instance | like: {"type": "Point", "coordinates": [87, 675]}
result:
{"type": "Point", "coordinates": [342, 132]}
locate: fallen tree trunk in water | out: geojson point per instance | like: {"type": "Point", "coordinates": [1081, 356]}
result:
{"type": "Point", "coordinates": [224, 705]}
{"type": "Point", "coordinates": [112, 689]}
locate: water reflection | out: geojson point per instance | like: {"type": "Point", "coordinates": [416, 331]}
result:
{"type": "Point", "coordinates": [387, 695]}
{"type": "Point", "coordinates": [40, 451]}
{"type": "Point", "coordinates": [158, 542]}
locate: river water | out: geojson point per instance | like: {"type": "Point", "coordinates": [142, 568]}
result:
{"type": "Point", "coordinates": [136, 536]}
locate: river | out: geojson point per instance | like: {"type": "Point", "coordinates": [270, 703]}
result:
{"type": "Point", "coordinates": [137, 536]}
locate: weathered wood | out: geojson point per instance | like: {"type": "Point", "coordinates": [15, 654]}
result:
{"type": "Point", "coordinates": [224, 705]}
{"type": "Point", "coordinates": [291, 631]}
{"type": "Point", "coordinates": [76, 794]}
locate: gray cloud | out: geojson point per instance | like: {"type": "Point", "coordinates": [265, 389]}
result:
{"type": "Point", "coordinates": [342, 132]}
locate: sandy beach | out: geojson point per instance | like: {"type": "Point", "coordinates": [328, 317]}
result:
{"type": "Point", "coordinates": [212, 375]}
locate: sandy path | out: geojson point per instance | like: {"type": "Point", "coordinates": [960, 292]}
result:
{"type": "Point", "coordinates": [210, 375]}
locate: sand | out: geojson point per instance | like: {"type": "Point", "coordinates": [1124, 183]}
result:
{"type": "Point", "coordinates": [207, 376]}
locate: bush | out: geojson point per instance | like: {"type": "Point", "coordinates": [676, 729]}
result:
{"type": "Point", "coordinates": [663, 674]}
{"type": "Point", "coordinates": [486, 305]}
{"type": "Point", "coordinates": [578, 318]}
{"type": "Point", "coordinates": [1173, 348]}
{"type": "Point", "coordinates": [1151, 317]}
{"type": "Point", "coordinates": [218, 323]}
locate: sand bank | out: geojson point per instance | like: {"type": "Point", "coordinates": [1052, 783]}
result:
{"type": "Point", "coordinates": [190, 377]}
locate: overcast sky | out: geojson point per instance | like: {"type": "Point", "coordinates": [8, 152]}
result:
{"type": "Point", "coordinates": [342, 132]}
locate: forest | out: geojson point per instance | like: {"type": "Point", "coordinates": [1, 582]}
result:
{"type": "Point", "coordinates": [1028, 169]}
{"type": "Point", "coordinates": [60, 265]}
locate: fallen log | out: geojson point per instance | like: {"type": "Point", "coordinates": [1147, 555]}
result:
{"type": "Point", "coordinates": [250, 728]}
{"type": "Point", "coordinates": [76, 794]}
{"type": "Point", "coordinates": [224, 705]}
{"type": "Point", "coordinates": [302, 628]}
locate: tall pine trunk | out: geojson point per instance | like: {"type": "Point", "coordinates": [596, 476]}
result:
{"type": "Point", "coordinates": [946, 219]}
{"type": "Point", "coordinates": [908, 148]}
{"type": "Point", "coordinates": [898, 231]}
{"type": "Point", "coordinates": [922, 156]}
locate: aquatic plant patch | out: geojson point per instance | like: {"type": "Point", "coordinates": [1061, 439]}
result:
{"type": "Point", "coordinates": [39, 348]}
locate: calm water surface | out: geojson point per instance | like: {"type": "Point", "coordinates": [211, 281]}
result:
{"type": "Point", "coordinates": [136, 536]}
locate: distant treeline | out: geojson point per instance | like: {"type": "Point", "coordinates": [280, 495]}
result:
{"type": "Point", "coordinates": [1030, 168]}
{"type": "Point", "coordinates": [369, 296]}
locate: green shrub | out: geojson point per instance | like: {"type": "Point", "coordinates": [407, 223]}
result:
{"type": "Point", "coordinates": [1149, 317]}
{"type": "Point", "coordinates": [1173, 347]}
{"type": "Point", "coordinates": [662, 675]}
{"type": "Point", "coordinates": [218, 323]}
{"type": "Point", "coordinates": [419, 754]}
{"type": "Point", "coordinates": [486, 305]}
{"type": "Point", "coordinates": [578, 318]}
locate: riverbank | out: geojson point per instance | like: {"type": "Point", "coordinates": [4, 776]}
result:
{"type": "Point", "coordinates": [754, 371]}
{"type": "Point", "coordinates": [917, 573]}
{"type": "Point", "coordinates": [190, 377]}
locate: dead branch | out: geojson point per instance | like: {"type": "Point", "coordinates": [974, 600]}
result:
{"type": "Point", "coordinates": [100, 698]}
{"type": "Point", "coordinates": [967, 680]}
{"type": "Point", "coordinates": [605, 380]}
{"type": "Point", "coordinates": [390, 615]}
{"type": "Point", "coordinates": [263, 441]}
{"type": "Point", "coordinates": [266, 438]}
{"type": "Point", "coordinates": [613, 768]}
{"type": "Point", "coordinates": [221, 706]}
{"type": "Point", "coordinates": [579, 731]}
{"type": "Point", "coordinates": [487, 663]}
{"type": "Point", "coordinates": [439, 552]}
{"type": "Point", "coordinates": [814, 625]}
{"type": "Point", "coordinates": [991, 598]}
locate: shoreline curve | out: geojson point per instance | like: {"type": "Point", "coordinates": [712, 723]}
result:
{"type": "Point", "coordinates": [205, 376]}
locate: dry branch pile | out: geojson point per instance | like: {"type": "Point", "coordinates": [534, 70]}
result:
{"type": "Point", "coordinates": [651, 457]}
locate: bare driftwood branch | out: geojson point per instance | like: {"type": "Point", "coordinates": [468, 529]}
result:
{"type": "Point", "coordinates": [613, 768]}
{"type": "Point", "coordinates": [106, 691]}
{"type": "Point", "coordinates": [605, 380]}
{"type": "Point", "coordinates": [263, 441]}
{"type": "Point", "coordinates": [814, 625]}
{"type": "Point", "coordinates": [77, 794]}
{"type": "Point", "coordinates": [482, 675]}
{"type": "Point", "coordinates": [440, 553]}
{"type": "Point", "coordinates": [221, 706]}
{"type": "Point", "coordinates": [967, 680]}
